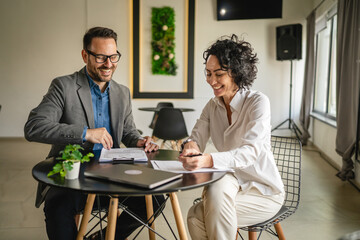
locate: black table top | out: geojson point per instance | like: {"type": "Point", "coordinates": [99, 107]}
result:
{"type": "Point", "coordinates": [90, 185]}
{"type": "Point", "coordinates": [154, 109]}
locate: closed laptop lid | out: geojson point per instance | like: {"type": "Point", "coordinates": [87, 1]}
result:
{"type": "Point", "coordinates": [132, 174]}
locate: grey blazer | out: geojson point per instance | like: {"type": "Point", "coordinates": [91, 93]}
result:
{"type": "Point", "coordinates": [67, 108]}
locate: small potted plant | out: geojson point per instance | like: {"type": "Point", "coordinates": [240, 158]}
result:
{"type": "Point", "coordinates": [69, 162]}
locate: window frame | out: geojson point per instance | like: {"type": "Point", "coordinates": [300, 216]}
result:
{"type": "Point", "coordinates": [326, 113]}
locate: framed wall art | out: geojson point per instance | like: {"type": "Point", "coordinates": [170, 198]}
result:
{"type": "Point", "coordinates": [163, 48]}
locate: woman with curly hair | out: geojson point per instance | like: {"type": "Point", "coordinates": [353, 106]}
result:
{"type": "Point", "coordinates": [237, 120]}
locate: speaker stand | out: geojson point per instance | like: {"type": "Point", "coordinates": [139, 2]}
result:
{"type": "Point", "coordinates": [292, 125]}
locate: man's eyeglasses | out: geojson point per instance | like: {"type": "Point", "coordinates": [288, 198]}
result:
{"type": "Point", "coordinates": [100, 58]}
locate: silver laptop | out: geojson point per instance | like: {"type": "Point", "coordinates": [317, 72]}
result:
{"type": "Point", "coordinates": [132, 174]}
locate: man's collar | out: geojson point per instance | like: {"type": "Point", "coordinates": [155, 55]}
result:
{"type": "Point", "coordinates": [92, 83]}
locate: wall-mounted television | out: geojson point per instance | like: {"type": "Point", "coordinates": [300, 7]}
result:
{"type": "Point", "coordinates": [248, 9]}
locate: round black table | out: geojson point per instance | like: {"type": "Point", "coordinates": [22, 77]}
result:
{"type": "Point", "coordinates": [94, 186]}
{"type": "Point", "coordinates": [91, 185]}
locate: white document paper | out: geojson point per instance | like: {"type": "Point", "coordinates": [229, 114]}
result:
{"type": "Point", "coordinates": [176, 167]}
{"type": "Point", "coordinates": [126, 154]}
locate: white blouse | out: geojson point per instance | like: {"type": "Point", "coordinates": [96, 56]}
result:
{"type": "Point", "coordinates": [245, 144]}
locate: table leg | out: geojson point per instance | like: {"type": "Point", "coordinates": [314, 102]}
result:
{"type": "Point", "coordinates": [178, 216]}
{"type": "Point", "coordinates": [111, 227]}
{"type": "Point", "coordinates": [150, 212]}
{"type": "Point", "coordinates": [86, 216]}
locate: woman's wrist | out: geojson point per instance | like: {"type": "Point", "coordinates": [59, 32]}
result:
{"type": "Point", "coordinates": [189, 143]}
{"type": "Point", "coordinates": [210, 162]}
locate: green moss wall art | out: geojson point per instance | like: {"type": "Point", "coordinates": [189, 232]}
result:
{"type": "Point", "coordinates": [163, 41]}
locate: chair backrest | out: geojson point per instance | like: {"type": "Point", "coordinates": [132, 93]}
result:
{"type": "Point", "coordinates": [164, 104]}
{"type": "Point", "coordinates": [170, 125]}
{"type": "Point", "coordinates": [159, 106]}
{"type": "Point", "coordinates": [287, 155]}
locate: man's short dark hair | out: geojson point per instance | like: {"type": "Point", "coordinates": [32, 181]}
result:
{"type": "Point", "coordinates": [98, 32]}
{"type": "Point", "coordinates": [237, 57]}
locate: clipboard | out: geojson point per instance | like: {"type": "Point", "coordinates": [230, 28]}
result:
{"type": "Point", "coordinates": [123, 155]}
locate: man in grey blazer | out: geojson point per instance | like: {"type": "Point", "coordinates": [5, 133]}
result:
{"type": "Point", "coordinates": [90, 109]}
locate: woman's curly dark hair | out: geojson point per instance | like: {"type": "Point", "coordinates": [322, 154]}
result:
{"type": "Point", "coordinates": [237, 56]}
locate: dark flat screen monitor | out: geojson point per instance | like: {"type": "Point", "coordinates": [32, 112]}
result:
{"type": "Point", "coordinates": [248, 9]}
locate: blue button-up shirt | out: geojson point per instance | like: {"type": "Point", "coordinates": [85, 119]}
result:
{"type": "Point", "coordinates": [101, 108]}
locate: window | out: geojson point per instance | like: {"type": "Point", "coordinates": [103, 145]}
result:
{"type": "Point", "coordinates": [325, 68]}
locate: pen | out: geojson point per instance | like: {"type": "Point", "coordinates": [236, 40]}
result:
{"type": "Point", "coordinates": [195, 155]}
{"type": "Point", "coordinates": [123, 158]}
{"type": "Point", "coordinates": [150, 141]}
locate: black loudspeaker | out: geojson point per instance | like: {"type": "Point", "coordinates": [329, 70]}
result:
{"type": "Point", "coordinates": [288, 42]}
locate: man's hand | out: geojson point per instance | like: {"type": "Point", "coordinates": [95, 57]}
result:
{"type": "Point", "coordinates": [148, 143]}
{"type": "Point", "coordinates": [99, 135]}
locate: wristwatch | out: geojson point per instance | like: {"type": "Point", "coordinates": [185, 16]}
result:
{"type": "Point", "coordinates": [185, 142]}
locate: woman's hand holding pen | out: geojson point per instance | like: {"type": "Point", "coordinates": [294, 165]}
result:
{"type": "Point", "coordinates": [193, 159]}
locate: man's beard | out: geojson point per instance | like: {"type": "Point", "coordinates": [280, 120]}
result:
{"type": "Point", "coordinates": [97, 77]}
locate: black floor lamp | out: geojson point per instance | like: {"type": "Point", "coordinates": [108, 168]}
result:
{"type": "Point", "coordinates": [288, 47]}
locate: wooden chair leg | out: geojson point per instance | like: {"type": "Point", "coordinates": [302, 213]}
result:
{"type": "Point", "coordinates": [173, 145]}
{"type": "Point", "coordinates": [252, 235]}
{"type": "Point", "coordinates": [162, 144]}
{"type": "Point", "coordinates": [179, 145]}
{"type": "Point", "coordinates": [279, 231]}
{"type": "Point", "coordinates": [236, 237]}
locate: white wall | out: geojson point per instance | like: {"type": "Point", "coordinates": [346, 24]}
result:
{"type": "Point", "coordinates": [42, 39]}
{"type": "Point", "coordinates": [273, 77]}
{"type": "Point", "coordinates": [323, 137]}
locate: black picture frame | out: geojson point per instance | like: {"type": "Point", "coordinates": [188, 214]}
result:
{"type": "Point", "coordinates": [189, 94]}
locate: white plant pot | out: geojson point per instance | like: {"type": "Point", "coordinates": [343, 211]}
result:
{"type": "Point", "coordinates": [73, 173]}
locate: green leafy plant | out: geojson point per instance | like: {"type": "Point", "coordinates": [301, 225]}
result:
{"type": "Point", "coordinates": [163, 41]}
{"type": "Point", "coordinates": [69, 155]}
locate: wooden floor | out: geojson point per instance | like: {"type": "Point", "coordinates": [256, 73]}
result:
{"type": "Point", "coordinates": [329, 208]}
